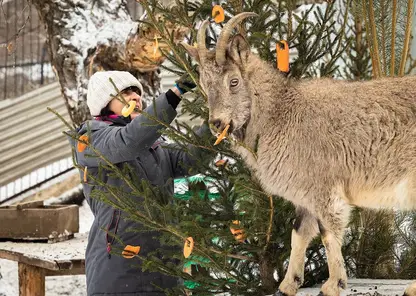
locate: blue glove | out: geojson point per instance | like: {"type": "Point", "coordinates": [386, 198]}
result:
{"type": "Point", "coordinates": [185, 83]}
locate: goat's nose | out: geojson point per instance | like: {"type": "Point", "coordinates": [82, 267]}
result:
{"type": "Point", "coordinates": [216, 123]}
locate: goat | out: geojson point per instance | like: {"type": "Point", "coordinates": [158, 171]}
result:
{"type": "Point", "coordinates": [325, 145]}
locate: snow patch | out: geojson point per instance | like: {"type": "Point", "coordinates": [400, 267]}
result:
{"type": "Point", "coordinates": [92, 31]}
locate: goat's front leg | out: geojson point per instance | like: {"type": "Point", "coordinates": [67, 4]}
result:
{"type": "Point", "coordinates": [334, 218]}
{"type": "Point", "coordinates": [304, 230]}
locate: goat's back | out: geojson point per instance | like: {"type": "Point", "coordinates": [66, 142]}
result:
{"type": "Point", "coordinates": [355, 137]}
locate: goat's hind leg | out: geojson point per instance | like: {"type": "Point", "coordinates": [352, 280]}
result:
{"type": "Point", "coordinates": [304, 230]}
{"type": "Point", "coordinates": [333, 220]}
{"type": "Point", "coordinates": [411, 290]}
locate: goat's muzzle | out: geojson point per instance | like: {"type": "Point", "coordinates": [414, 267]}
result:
{"type": "Point", "coordinates": [219, 125]}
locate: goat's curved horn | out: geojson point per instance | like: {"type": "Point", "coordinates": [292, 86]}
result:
{"type": "Point", "coordinates": [225, 35]}
{"type": "Point", "coordinates": [200, 39]}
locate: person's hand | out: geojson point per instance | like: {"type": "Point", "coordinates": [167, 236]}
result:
{"type": "Point", "coordinates": [185, 83]}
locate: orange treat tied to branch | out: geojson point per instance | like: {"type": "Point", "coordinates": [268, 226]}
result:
{"type": "Point", "coordinates": [282, 52]}
{"type": "Point", "coordinates": [85, 174]}
{"type": "Point", "coordinates": [221, 162]}
{"type": "Point", "coordinates": [238, 233]}
{"type": "Point", "coordinates": [81, 146]}
{"type": "Point", "coordinates": [188, 270]}
{"type": "Point", "coordinates": [222, 135]}
{"type": "Point", "coordinates": [188, 247]}
{"type": "Point", "coordinates": [130, 251]}
{"type": "Point", "coordinates": [218, 14]}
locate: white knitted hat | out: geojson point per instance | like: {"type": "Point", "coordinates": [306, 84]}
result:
{"type": "Point", "coordinates": [101, 90]}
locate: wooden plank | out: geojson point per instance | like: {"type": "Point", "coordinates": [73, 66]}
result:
{"type": "Point", "coordinates": [65, 255]}
{"type": "Point", "coordinates": [31, 280]}
{"type": "Point", "coordinates": [28, 259]}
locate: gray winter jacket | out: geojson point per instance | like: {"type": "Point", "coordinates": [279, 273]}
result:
{"type": "Point", "coordinates": [138, 144]}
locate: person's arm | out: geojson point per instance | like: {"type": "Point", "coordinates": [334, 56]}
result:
{"type": "Point", "coordinates": [182, 161]}
{"type": "Point", "coordinates": [120, 144]}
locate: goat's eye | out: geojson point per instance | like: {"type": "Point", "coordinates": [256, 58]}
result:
{"type": "Point", "coordinates": [234, 82]}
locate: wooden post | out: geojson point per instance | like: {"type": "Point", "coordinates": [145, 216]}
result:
{"type": "Point", "coordinates": [31, 280]}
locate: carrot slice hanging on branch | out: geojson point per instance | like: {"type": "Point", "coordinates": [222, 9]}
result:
{"type": "Point", "coordinates": [282, 51]}
{"type": "Point", "coordinates": [188, 247]}
{"type": "Point", "coordinates": [218, 14]}
{"type": "Point", "coordinates": [130, 251]}
{"type": "Point", "coordinates": [85, 174]}
{"type": "Point", "coordinates": [80, 145]}
{"type": "Point", "coordinates": [238, 232]}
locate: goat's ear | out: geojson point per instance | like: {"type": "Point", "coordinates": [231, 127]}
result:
{"type": "Point", "coordinates": [239, 50]}
{"type": "Point", "coordinates": [192, 51]}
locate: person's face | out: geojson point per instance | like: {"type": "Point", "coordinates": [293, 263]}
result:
{"type": "Point", "coordinates": [129, 95]}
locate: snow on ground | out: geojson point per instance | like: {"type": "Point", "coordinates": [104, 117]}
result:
{"type": "Point", "coordinates": [366, 287]}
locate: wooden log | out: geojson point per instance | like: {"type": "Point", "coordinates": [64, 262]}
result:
{"type": "Point", "coordinates": [31, 280]}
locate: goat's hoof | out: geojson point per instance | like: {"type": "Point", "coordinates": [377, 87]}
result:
{"type": "Point", "coordinates": [411, 290]}
{"type": "Point", "coordinates": [279, 293]}
{"type": "Point", "coordinates": [322, 294]}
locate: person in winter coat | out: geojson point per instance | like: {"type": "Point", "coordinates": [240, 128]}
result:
{"type": "Point", "coordinates": [134, 140]}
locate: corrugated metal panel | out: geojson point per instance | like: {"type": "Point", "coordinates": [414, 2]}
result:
{"type": "Point", "coordinates": [31, 136]}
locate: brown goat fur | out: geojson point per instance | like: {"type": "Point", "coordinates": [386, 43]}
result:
{"type": "Point", "coordinates": [323, 144]}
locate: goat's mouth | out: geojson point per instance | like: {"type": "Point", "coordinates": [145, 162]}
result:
{"type": "Point", "coordinates": [222, 130]}
{"type": "Point", "coordinates": [239, 134]}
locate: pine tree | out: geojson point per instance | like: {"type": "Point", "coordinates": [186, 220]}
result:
{"type": "Point", "coordinates": [242, 235]}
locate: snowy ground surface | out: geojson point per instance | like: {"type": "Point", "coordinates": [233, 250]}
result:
{"type": "Point", "coordinates": [75, 285]}
{"type": "Point", "coordinates": [367, 287]}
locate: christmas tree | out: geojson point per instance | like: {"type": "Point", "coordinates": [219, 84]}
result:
{"type": "Point", "coordinates": [235, 238]}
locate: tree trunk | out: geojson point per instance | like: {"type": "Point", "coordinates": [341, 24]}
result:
{"type": "Point", "coordinates": [266, 268]}
{"type": "Point", "coordinates": [94, 35]}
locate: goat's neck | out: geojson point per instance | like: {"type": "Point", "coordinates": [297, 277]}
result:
{"type": "Point", "coordinates": [266, 84]}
